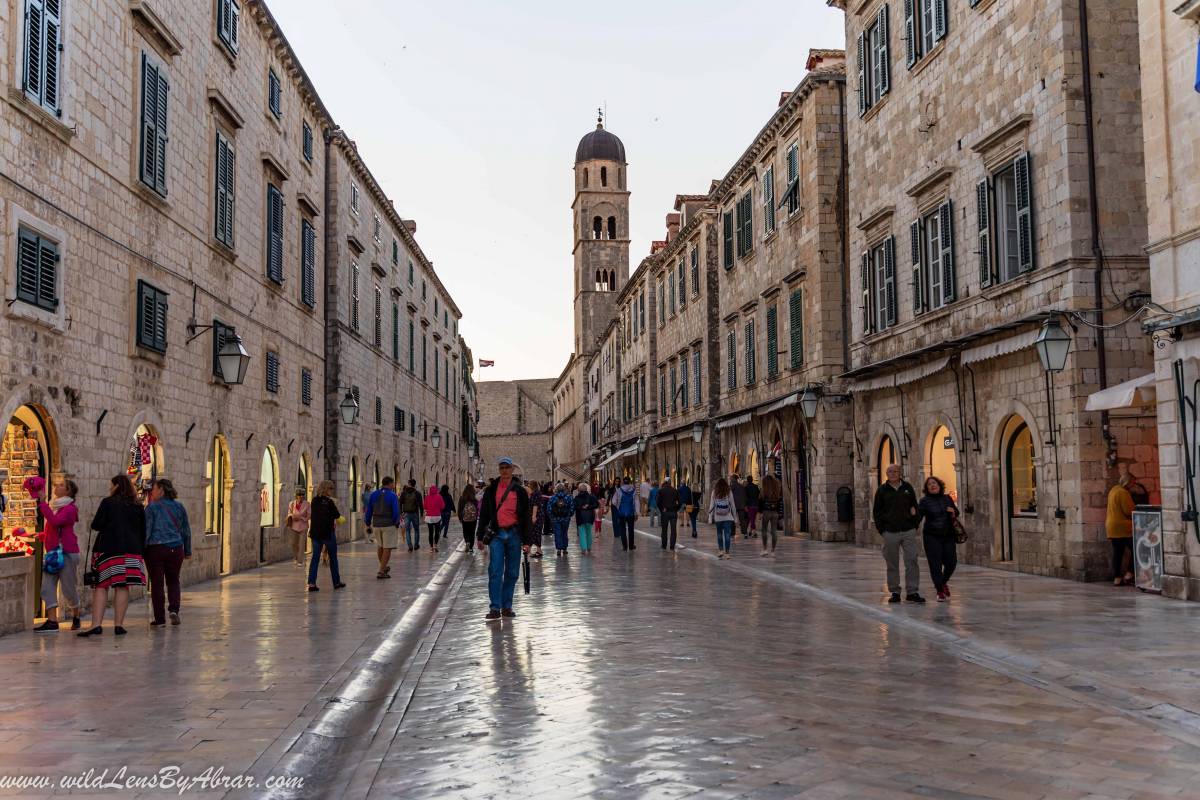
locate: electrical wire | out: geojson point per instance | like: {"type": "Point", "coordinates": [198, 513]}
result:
{"type": "Point", "coordinates": [1078, 317]}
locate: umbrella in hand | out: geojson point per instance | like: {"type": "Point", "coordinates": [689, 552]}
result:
{"type": "Point", "coordinates": [525, 569]}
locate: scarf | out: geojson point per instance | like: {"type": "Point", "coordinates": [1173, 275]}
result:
{"type": "Point", "coordinates": [61, 502]}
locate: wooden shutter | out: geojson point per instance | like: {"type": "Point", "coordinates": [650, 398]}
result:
{"type": "Point", "coordinates": [868, 318]}
{"type": "Point", "coordinates": [354, 295]}
{"type": "Point", "coordinates": [889, 277]}
{"type": "Point", "coordinates": [695, 267]}
{"type": "Point", "coordinates": [225, 165]}
{"type": "Point", "coordinates": [274, 234]}
{"type": "Point", "coordinates": [1022, 175]}
{"type": "Point", "coordinates": [160, 160]}
{"type": "Point", "coordinates": [235, 13]}
{"type": "Point", "coordinates": [412, 348]}
{"type": "Point", "coordinates": [307, 149]}
{"type": "Point", "coordinates": [682, 284]}
{"type": "Point", "coordinates": [272, 372]}
{"type": "Point", "coordinates": [768, 190]}
{"type": "Point", "coordinates": [983, 227]}
{"type": "Point", "coordinates": [152, 156]}
{"type": "Point", "coordinates": [308, 264]}
{"type": "Point", "coordinates": [28, 250]}
{"type": "Point", "coordinates": [152, 317]}
{"type": "Point", "coordinates": [395, 331]}
{"type": "Point", "coordinates": [946, 241]}
{"type": "Point", "coordinates": [306, 387]}
{"type": "Point", "coordinates": [727, 221]}
{"type": "Point", "coordinates": [731, 359]}
{"type": "Point", "coordinates": [34, 42]}
{"type": "Point", "coordinates": [697, 390]}
{"type": "Point", "coordinates": [47, 275]}
{"type": "Point", "coordinates": [772, 342]}
{"type": "Point", "coordinates": [885, 52]}
{"type": "Point", "coordinates": [751, 346]}
{"type": "Point", "coordinates": [378, 338]}
{"type": "Point", "coordinates": [914, 233]}
{"type": "Point", "coordinates": [796, 327]}
{"type": "Point", "coordinates": [910, 33]}
{"type": "Point", "coordinates": [861, 62]}
{"type": "Point", "coordinates": [940, 19]}
{"type": "Point", "coordinates": [50, 44]}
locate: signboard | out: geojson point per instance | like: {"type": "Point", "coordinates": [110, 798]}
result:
{"type": "Point", "coordinates": [1148, 548]}
{"type": "Point", "coordinates": [948, 443]}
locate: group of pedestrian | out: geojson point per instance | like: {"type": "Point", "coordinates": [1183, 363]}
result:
{"type": "Point", "coordinates": [897, 514]}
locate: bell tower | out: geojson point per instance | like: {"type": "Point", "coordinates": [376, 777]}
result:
{"type": "Point", "coordinates": [601, 222]}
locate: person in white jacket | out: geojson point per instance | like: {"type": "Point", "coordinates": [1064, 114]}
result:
{"type": "Point", "coordinates": [724, 514]}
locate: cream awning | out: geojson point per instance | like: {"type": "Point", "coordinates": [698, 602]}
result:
{"type": "Point", "coordinates": [1130, 394]}
{"type": "Point", "coordinates": [790, 400]}
{"type": "Point", "coordinates": [738, 420]}
{"type": "Point", "coordinates": [902, 377]}
{"type": "Point", "coordinates": [619, 454]}
{"type": "Point", "coordinates": [1000, 347]}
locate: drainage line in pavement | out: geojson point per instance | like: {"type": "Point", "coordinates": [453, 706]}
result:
{"type": "Point", "coordinates": [1056, 677]}
{"type": "Point", "coordinates": [341, 732]}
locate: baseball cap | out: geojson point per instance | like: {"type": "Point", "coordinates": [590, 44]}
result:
{"type": "Point", "coordinates": [505, 461]}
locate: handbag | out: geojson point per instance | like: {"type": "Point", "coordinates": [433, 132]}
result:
{"type": "Point", "coordinates": [53, 560]}
{"type": "Point", "coordinates": [960, 533]}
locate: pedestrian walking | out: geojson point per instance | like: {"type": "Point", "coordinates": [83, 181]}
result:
{"type": "Point", "coordinates": [323, 532]}
{"type": "Point", "coordinates": [738, 490]}
{"type": "Point", "coordinates": [723, 512]}
{"type": "Point", "coordinates": [447, 510]}
{"type": "Point", "coordinates": [586, 506]}
{"type": "Point", "coordinates": [599, 514]}
{"type": "Point", "coordinates": [411, 507]}
{"type": "Point", "coordinates": [653, 503]}
{"type": "Point", "coordinates": [468, 516]}
{"type": "Point", "coordinates": [60, 516]}
{"type": "Point", "coordinates": [625, 512]}
{"type": "Point", "coordinates": [644, 494]}
{"type": "Point", "coordinates": [298, 516]}
{"type": "Point", "coordinates": [384, 516]}
{"type": "Point", "coordinates": [537, 516]}
{"type": "Point", "coordinates": [1118, 528]}
{"type": "Point", "coordinates": [688, 499]}
{"type": "Point", "coordinates": [561, 508]}
{"type": "Point", "coordinates": [433, 516]}
{"type": "Point", "coordinates": [505, 526]}
{"type": "Point", "coordinates": [668, 512]}
{"type": "Point", "coordinates": [168, 545]}
{"type": "Point", "coordinates": [116, 554]}
{"type": "Point", "coordinates": [752, 497]}
{"type": "Point", "coordinates": [770, 506]}
{"type": "Point", "coordinates": [937, 512]}
{"type": "Point", "coordinates": [364, 503]}
{"type": "Point", "coordinates": [895, 515]}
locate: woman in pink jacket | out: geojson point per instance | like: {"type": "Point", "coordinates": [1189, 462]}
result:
{"type": "Point", "coordinates": [60, 515]}
{"type": "Point", "coordinates": [433, 515]}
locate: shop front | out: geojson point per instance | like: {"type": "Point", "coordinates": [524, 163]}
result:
{"type": "Point", "coordinates": [29, 450]}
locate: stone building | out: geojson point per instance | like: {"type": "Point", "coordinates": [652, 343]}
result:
{"type": "Point", "coordinates": [1170, 118]}
{"type": "Point", "coordinates": [972, 224]}
{"type": "Point", "coordinates": [391, 339]}
{"type": "Point", "coordinates": [778, 234]}
{"type": "Point", "coordinates": [516, 420]}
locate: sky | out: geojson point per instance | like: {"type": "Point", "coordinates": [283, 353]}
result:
{"type": "Point", "coordinates": [468, 113]}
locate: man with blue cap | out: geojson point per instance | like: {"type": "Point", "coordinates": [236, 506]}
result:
{"type": "Point", "coordinates": [504, 526]}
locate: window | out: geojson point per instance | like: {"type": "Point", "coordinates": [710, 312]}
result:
{"type": "Point", "coordinates": [662, 391]}
{"type": "Point", "coordinates": [274, 94]}
{"type": "Point", "coordinates": [228, 12]}
{"type": "Point", "coordinates": [612, 227]}
{"type": "Point", "coordinates": [731, 359]}
{"type": "Point", "coordinates": [437, 373]}
{"type": "Point", "coordinates": [671, 290]}
{"type": "Point", "coordinates": [306, 141]}
{"type": "Point", "coordinates": [684, 396]}
{"type": "Point", "coordinates": [412, 346]}
{"type": "Point", "coordinates": [412, 424]}
{"type": "Point", "coordinates": [642, 310]}
{"type": "Point", "coordinates": [410, 272]}
{"type": "Point", "coordinates": [751, 347]}
{"type": "Point", "coordinates": [772, 342]}
{"type": "Point", "coordinates": [395, 253]}
{"type": "Point", "coordinates": [727, 239]}
{"type": "Point", "coordinates": [152, 153]}
{"type": "Point", "coordinates": [224, 166]}
{"type": "Point", "coordinates": [1005, 237]}
{"type": "Point", "coordinates": [682, 285]}
{"type": "Point", "coordinates": [424, 290]}
{"type": "Point", "coordinates": [377, 338]}
{"type": "Point", "coordinates": [924, 26]}
{"type": "Point", "coordinates": [274, 234]}
{"type": "Point", "coordinates": [745, 225]}
{"type": "Point", "coordinates": [933, 278]}
{"type": "Point", "coordinates": [396, 332]}
{"type": "Point", "coordinates": [424, 358]}
{"type": "Point", "coordinates": [791, 196]}
{"type": "Point", "coordinates": [378, 410]}
{"type": "Point", "coordinates": [37, 270]}
{"type": "Point", "coordinates": [435, 308]}
{"type": "Point", "coordinates": [796, 327]}
{"type": "Point", "coordinates": [308, 264]}
{"type": "Point", "coordinates": [354, 197]}
{"type": "Point", "coordinates": [354, 296]}
{"type": "Point", "coordinates": [878, 279]}
{"type": "Point", "coordinates": [696, 377]}
{"type": "Point", "coordinates": [768, 199]}
{"type": "Point", "coordinates": [695, 266]}
{"type": "Point", "coordinates": [604, 176]}
{"type": "Point", "coordinates": [642, 392]}
{"type": "Point", "coordinates": [662, 304]}
{"type": "Point", "coordinates": [151, 317]}
{"type": "Point", "coordinates": [221, 332]}
{"type": "Point", "coordinates": [674, 388]}
{"type": "Point", "coordinates": [873, 62]}
{"type": "Point", "coordinates": [306, 387]}
{"type": "Point", "coordinates": [42, 57]}
{"type": "Point", "coordinates": [272, 379]}
{"type": "Point", "coordinates": [1022, 476]}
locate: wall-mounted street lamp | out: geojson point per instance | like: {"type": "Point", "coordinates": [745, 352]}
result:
{"type": "Point", "coordinates": [232, 358]}
{"type": "Point", "coordinates": [349, 408]}
{"type": "Point", "coordinates": [1053, 345]}
{"type": "Point", "coordinates": [698, 432]}
{"type": "Point", "coordinates": [808, 402]}
{"type": "Point", "coordinates": [436, 439]}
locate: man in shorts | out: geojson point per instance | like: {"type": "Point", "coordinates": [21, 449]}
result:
{"type": "Point", "coordinates": [383, 515]}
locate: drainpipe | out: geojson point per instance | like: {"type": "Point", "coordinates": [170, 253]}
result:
{"type": "Point", "coordinates": [843, 226]}
{"type": "Point", "coordinates": [331, 344]}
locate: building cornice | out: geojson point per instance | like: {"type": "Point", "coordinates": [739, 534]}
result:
{"type": "Point", "coordinates": [269, 27]}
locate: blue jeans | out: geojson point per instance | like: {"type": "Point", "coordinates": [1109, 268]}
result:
{"type": "Point", "coordinates": [724, 536]}
{"type": "Point", "coordinates": [561, 527]}
{"type": "Point", "coordinates": [504, 567]}
{"type": "Point", "coordinates": [692, 520]}
{"type": "Point", "coordinates": [412, 529]}
{"type": "Point", "coordinates": [445, 523]}
{"type": "Point", "coordinates": [329, 544]}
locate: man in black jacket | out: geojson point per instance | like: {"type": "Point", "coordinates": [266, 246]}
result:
{"type": "Point", "coordinates": [504, 524]}
{"type": "Point", "coordinates": [668, 510]}
{"type": "Point", "coordinates": [895, 516]}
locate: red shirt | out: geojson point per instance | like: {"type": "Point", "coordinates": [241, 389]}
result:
{"type": "Point", "coordinates": [506, 512]}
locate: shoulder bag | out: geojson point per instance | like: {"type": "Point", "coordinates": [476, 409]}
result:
{"type": "Point", "coordinates": [489, 534]}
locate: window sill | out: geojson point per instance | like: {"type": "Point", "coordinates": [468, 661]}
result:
{"type": "Point", "coordinates": [274, 120]}
{"type": "Point", "coordinates": [55, 320]}
{"type": "Point", "coordinates": [874, 109]}
{"type": "Point", "coordinates": [223, 250]}
{"type": "Point", "coordinates": [921, 63]}
{"type": "Point", "coordinates": [149, 194]}
{"type": "Point", "coordinates": [143, 353]}
{"type": "Point", "coordinates": [225, 50]}
{"type": "Point", "coordinates": [52, 123]}
{"type": "Point", "coordinates": [770, 237]}
{"type": "Point", "coordinates": [794, 217]}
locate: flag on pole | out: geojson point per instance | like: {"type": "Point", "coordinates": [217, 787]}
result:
{"type": "Point", "coordinates": [486, 362]}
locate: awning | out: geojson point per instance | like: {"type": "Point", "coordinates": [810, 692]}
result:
{"type": "Point", "coordinates": [1000, 347]}
{"type": "Point", "coordinates": [619, 454]}
{"type": "Point", "coordinates": [1130, 394]}
{"type": "Point", "coordinates": [902, 377]}
{"type": "Point", "coordinates": [790, 400]}
{"type": "Point", "coordinates": [730, 422]}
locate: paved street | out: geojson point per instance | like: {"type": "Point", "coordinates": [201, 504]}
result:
{"type": "Point", "coordinates": [633, 675]}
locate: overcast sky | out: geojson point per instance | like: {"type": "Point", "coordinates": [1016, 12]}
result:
{"type": "Point", "coordinates": [468, 112]}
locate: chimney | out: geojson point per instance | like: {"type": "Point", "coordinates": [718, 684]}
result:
{"type": "Point", "coordinates": [783, 98]}
{"type": "Point", "coordinates": [655, 246]}
{"type": "Point", "coordinates": [672, 226]}
{"type": "Point", "coordinates": [411, 224]}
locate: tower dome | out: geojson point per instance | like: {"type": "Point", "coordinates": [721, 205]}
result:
{"type": "Point", "coordinates": [600, 145]}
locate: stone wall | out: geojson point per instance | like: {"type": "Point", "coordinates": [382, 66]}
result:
{"type": "Point", "coordinates": [515, 421]}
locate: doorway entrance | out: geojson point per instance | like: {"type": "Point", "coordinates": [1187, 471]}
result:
{"type": "Point", "coordinates": [268, 492]}
{"type": "Point", "coordinates": [943, 459]}
{"type": "Point", "coordinates": [217, 505]}
{"type": "Point", "coordinates": [29, 449]}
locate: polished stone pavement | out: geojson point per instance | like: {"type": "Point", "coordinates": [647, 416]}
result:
{"type": "Point", "coordinates": [641, 675]}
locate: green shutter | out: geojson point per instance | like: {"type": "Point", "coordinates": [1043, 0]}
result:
{"type": "Point", "coordinates": [946, 235]}
{"type": "Point", "coordinates": [867, 317]}
{"type": "Point", "coordinates": [796, 327]}
{"type": "Point", "coordinates": [910, 33]}
{"type": "Point", "coordinates": [308, 264]}
{"type": "Point", "coordinates": [274, 234]}
{"type": "Point", "coordinates": [354, 295]}
{"type": "Point", "coordinates": [751, 347]}
{"type": "Point", "coordinates": [914, 236]}
{"type": "Point", "coordinates": [889, 279]}
{"type": "Point", "coordinates": [983, 223]}
{"type": "Point", "coordinates": [728, 239]}
{"type": "Point", "coordinates": [1022, 177]}
{"type": "Point", "coordinates": [772, 342]}
{"type": "Point", "coordinates": [885, 52]}
{"type": "Point", "coordinates": [861, 65]}
{"type": "Point", "coordinates": [731, 364]}
{"type": "Point", "coordinates": [941, 19]}
{"type": "Point", "coordinates": [28, 250]}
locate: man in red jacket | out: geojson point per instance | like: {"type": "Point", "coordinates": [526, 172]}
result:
{"type": "Point", "coordinates": [504, 524]}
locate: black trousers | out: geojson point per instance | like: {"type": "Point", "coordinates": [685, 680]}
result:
{"type": "Point", "coordinates": [744, 522]}
{"type": "Point", "coordinates": [669, 519]}
{"type": "Point", "coordinates": [942, 554]}
{"type": "Point", "coordinates": [469, 533]}
{"type": "Point", "coordinates": [625, 531]}
{"type": "Point", "coordinates": [1119, 547]}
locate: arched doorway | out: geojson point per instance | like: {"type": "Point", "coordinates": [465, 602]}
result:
{"type": "Point", "coordinates": [734, 462]}
{"type": "Point", "coordinates": [304, 485]}
{"type": "Point", "coordinates": [753, 472]}
{"type": "Point", "coordinates": [885, 457]}
{"type": "Point", "coordinates": [943, 459]}
{"type": "Point", "coordinates": [268, 498]}
{"type": "Point", "coordinates": [217, 505]}
{"type": "Point", "coordinates": [1019, 480]}
{"type": "Point", "coordinates": [145, 461]}
{"type": "Point", "coordinates": [353, 486]}
{"type": "Point", "coordinates": [802, 480]}
{"type": "Point", "coordinates": [29, 449]}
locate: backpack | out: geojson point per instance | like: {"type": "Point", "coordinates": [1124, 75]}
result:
{"type": "Point", "coordinates": [625, 503]}
{"type": "Point", "coordinates": [408, 503]}
{"type": "Point", "coordinates": [721, 507]}
{"type": "Point", "coordinates": [468, 512]}
{"type": "Point", "coordinates": [560, 507]}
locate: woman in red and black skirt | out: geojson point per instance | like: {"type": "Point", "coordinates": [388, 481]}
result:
{"type": "Point", "coordinates": [120, 525]}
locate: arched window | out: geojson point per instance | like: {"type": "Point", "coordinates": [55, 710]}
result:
{"type": "Point", "coordinates": [887, 457]}
{"type": "Point", "coordinates": [942, 459]}
{"type": "Point", "coordinates": [597, 227]}
{"type": "Point", "coordinates": [612, 227]}
{"type": "Point", "coordinates": [599, 283]}
{"type": "Point", "coordinates": [612, 281]}
{"type": "Point", "coordinates": [604, 176]}
{"type": "Point", "coordinates": [585, 177]}
{"type": "Point", "coordinates": [1021, 476]}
